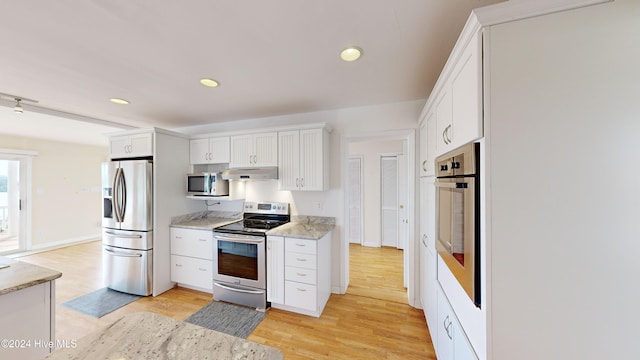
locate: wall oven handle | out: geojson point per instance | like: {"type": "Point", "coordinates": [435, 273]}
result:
{"type": "Point", "coordinates": [238, 290]}
{"type": "Point", "coordinates": [117, 253]}
{"type": "Point", "coordinates": [123, 236]}
{"type": "Point", "coordinates": [457, 185]}
{"type": "Point", "coordinates": [239, 238]}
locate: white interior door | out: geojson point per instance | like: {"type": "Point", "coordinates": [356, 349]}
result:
{"type": "Point", "coordinates": [356, 223]}
{"type": "Point", "coordinates": [389, 200]}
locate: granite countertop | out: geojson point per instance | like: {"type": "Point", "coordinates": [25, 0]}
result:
{"type": "Point", "coordinates": [145, 335]}
{"type": "Point", "coordinates": [20, 275]}
{"type": "Point", "coordinates": [205, 220]}
{"type": "Point", "coordinates": [305, 227]}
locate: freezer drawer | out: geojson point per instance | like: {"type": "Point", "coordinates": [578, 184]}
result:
{"type": "Point", "coordinates": [134, 240]}
{"type": "Point", "coordinates": [128, 271]}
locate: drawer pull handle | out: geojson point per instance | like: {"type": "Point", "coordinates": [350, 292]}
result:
{"type": "Point", "coordinates": [301, 289]}
{"type": "Point", "coordinates": [301, 274]}
{"type": "Point", "coordinates": [301, 259]}
{"type": "Point", "coordinates": [178, 265]}
{"type": "Point", "coordinates": [178, 237]}
{"type": "Point", "coordinates": [203, 240]}
{"type": "Point", "coordinates": [201, 269]}
{"type": "Point", "coordinates": [300, 245]}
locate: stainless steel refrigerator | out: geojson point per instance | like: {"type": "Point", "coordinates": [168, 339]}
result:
{"type": "Point", "coordinates": [127, 226]}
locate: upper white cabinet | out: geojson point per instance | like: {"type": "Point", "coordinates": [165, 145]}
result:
{"type": "Point", "coordinates": [303, 160]}
{"type": "Point", "coordinates": [209, 151]}
{"type": "Point", "coordinates": [428, 145]}
{"type": "Point", "coordinates": [254, 150]}
{"type": "Point", "coordinates": [130, 146]}
{"type": "Point", "coordinates": [457, 101]}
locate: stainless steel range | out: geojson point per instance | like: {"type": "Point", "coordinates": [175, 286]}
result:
{"type": "Point", "coordinates": [239, 254]}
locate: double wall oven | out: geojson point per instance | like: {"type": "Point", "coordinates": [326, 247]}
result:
{"type": "Point", "coordinates": [239, 254]}
{"type": "Point", "coordinates": [458, 216]}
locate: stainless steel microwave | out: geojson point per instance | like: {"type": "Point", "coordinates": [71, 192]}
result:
{"type": "Point", "coordinates": [207, 184]}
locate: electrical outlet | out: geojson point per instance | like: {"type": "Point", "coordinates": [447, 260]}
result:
{"type": "Point", "coordinates": [317, 205]}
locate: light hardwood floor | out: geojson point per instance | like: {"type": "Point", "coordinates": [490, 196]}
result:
{"type": "Point", "coordinates": [371, 321]}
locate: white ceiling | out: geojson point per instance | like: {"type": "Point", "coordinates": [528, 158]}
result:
{"type": "Point", "coordinates": [271, 58]}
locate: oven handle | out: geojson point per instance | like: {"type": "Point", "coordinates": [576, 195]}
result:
{"type": "Point", "coordinates": [239, 238]}
{"type": "Point", "coordinates": [238, 290]}
{"type": "Point", "coordinates": [452, 185]}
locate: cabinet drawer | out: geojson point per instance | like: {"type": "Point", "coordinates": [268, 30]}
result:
{"type": "Point", "coordinates": [307, 276]}
{"type": "Point", "coordinates": [193, 243]}
{"type": "Point", "coordinates": [304, 261]}
{"type": "Point", "coordinates": [190, 271]}
{"type": "Point", "coordinates": [300, 295]}
{"type": "Point", "coordinates": [300, 246]}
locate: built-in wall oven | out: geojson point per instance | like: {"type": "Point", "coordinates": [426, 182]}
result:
{"type": "Point", "coordinates": [239, 254]}
{"type": "Point", "coordinates": [458, 216]}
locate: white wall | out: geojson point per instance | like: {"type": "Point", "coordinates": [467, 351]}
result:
{"type": "Point", "coordinates": [65, 189]}
{"type": "Point", "coordinates": [346, 123]}
{"type": "Point", "coordinates": [372, 151]}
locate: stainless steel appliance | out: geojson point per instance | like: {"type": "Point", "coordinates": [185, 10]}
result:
{"type": "Point", "coordinates": [457, 216]}
{"type": "Point", "coordinates": [239, 254]}
{"type": "Point", "coordinates": [127, 225]}
{"type": "Point", "coordinates": [258, 173]}
{"type": "Point", "coordinates": [207, 184]}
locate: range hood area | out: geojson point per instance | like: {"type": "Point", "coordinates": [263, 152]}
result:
{"type": "Point", "coordinates": [259, 173]}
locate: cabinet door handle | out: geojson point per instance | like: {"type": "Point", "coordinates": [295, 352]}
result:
{"type": "Point", "coordinates": [424, 165]}
{"type": "Point", "coordinates": [447, 130]}
{"type": "Point", "coordinates": [301, 182]}
{"type": "Point", "coordinates": [297, 182]}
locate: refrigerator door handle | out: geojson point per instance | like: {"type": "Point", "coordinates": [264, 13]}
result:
{"type": "Point", "coordinates": [123, 236]}
{"type": "Point", "coordinates": [123, 195]}
{"type": "Point", "coordinates": [116, 194]}
{"type": "Point", "coordinates": [118, 253]}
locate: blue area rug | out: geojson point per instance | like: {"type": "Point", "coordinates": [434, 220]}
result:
{"type": "Point", "coordinates": [227, 318]}
{"type": "Point", "coordinates": [100, 302]}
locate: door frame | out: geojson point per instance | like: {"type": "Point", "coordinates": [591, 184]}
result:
{"type": "Point", "coordinates": [413, 255]}
{"type": "Point", "coordinates": [360, 158]}
{"type": "Point", "coordinates": [25, 158]}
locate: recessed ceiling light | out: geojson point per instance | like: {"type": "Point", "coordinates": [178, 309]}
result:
{"type": "Point", "coordinates": [209, 82]}
{"type": "Point", "coordinates": [351, 53]}
{"type": "Point", "coordinates": [119, 101]}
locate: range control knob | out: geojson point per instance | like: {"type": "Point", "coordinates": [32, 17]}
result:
{"type": "Point", "coordinates": [444, 168]}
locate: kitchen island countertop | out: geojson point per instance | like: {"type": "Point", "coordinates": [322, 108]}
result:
{"type": "Point", "coordinates": [305, 227]}
{"type": "Point", "coordinates": [19, 275]}
{"type": "Point", "coordinates": [145, 335]}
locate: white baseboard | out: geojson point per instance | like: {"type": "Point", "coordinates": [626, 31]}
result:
{"type": "Point", "coordinates": [57, 245]}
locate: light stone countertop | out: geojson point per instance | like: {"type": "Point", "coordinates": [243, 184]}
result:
{"type": "Point", "coordinates": [305, 227]}
{"type": "Point", "coordinates": [205, 220]}
{"type": "Point", "coordinates": [20, 275]}
{"type": "Point", "coordinates": [145, 335]}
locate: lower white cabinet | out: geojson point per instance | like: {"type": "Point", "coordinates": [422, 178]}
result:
{"type": "Point", "coordinates": [299, 274]}
{"type": "Point", "coordinates": [192, 258]}
{"type": "Point", "coordinates": [452, 343]}
{"type": "Point", "coordinates": [27, 322]}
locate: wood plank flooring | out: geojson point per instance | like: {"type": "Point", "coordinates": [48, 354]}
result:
{"type": "Point", "coordinates": [371, 321]}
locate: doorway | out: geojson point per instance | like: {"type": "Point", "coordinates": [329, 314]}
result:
{"type": "Point", "coordinates": [356, 218]}
{"type": "Point", "coordinates": [380, 155]}
{"type": "Point", "coordinates": [14, 176]}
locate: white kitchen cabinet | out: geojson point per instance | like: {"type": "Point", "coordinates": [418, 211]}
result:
{"type": "Point", "coordinates": [130, 146]}
{"type": "Point", "coordinates": [192, 258]}
{"type": "Point", "coordinates": [428, 144]}
{"type": "Point", "coordinates": [428, 265]}
{"type": "Point", "coordinates": [27, 323]}
{"type": "Point", "coordinates": [303, 159]}
{"type": "Point", "coordinates": [452, 343]}
{"type": "Point", "coordinates": [275, 269]}
{"type": "Point", "coordinates": [254, 150]}
{"type": "Point", "coordinates": [209, 151]}
{"type": "Point", "coordinates": [458, 99]}
{"type": "Point", "coordinates": [304, 272]}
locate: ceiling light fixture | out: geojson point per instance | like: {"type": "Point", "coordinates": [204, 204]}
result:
{"type": "Point", "coordinates": [119, 101]}
{"type": "Point", "coordinates": [18, 108]}
{"type": "Point", "coordinates": [352, 53]}
{"type": "Point", "coordinates": [209, 82]}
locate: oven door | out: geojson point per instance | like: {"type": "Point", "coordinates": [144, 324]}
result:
{"type": "Point", "coordinates": [239, 259]}
{"type": "Point", "coordinates": [457, 231]}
